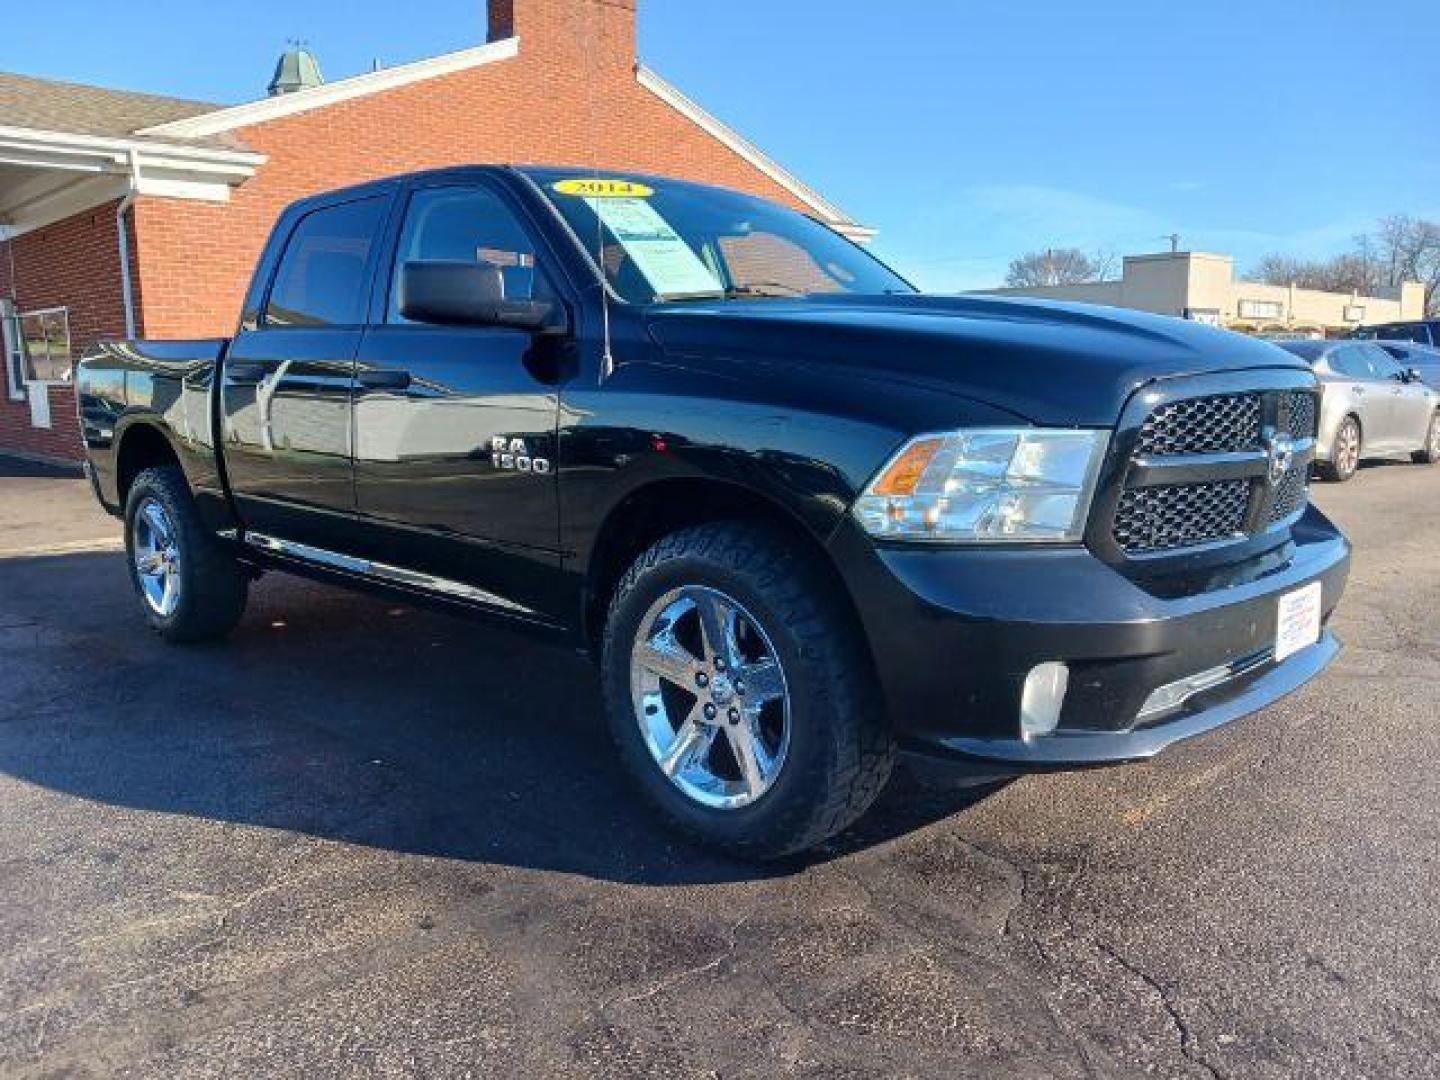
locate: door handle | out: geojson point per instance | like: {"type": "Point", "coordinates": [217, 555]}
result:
{"type": "Point", "coordinates": [243, 373]}
{"type": "Point", "coordinates": [384, 379]}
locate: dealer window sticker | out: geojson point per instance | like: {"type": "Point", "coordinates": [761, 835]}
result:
{"type": "Point", "coordinates": [666, 261]}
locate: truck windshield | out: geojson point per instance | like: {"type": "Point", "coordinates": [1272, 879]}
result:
{"type": "Point", "coordinates": [670, 241]}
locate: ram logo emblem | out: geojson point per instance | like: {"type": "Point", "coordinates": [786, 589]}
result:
{"type": "Point", "coordinates": [512, 455]}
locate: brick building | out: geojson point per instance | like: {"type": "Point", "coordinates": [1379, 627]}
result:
{"type": "Point", "coordinates": [124, 214]}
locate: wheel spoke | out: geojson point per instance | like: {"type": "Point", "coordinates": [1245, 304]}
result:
{"type": "Point", "coordinates": [763, 682]}
{"type": "Point", "coordinates": [692, 740]}
{"type": "Point", "coordinates": [717, 625]}
{"type": "Point", "coordinates": [159, 524]}
{"type": "Point", "coordinates": [667, 658]}
{"type": "Point", "coordinates": [167, 597]}
{"type": "Point", "coordinates": [749, 754]}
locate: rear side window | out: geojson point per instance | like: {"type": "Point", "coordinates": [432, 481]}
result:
{"type": "Point", "coordinates": [321, 277]}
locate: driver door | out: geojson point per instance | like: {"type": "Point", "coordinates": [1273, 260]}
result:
{"type": "Point", "coordinates": [455, 427]}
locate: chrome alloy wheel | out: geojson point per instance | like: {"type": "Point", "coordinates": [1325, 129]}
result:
{"type": "Point", "coordinates": [710, 697]}
{"type": "Point", "coordinates": [157, 557]}
{"type": "Point", "coordinates": [1347, 449]}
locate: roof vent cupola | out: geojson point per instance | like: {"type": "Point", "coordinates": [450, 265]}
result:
{"type": "Point", "coordinates": [296, 70]}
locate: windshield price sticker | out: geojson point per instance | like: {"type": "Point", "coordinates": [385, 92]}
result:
{"type": "Point", "coordinates": [668, 263]}
{"type": "Point", "coordinates": [597, 188]}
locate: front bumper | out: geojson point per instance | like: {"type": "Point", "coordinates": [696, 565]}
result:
{"type": "Point", "coordinates": [955, 632]}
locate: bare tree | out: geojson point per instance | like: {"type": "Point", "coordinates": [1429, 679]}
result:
{"type": "Point", "coordinates": [1055, 266]}
{"type": "Point", "coordinates": [1402, 248]}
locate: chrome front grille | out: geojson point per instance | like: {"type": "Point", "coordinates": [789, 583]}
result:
{"type": "Point", "coordinates": [1181, 515]}
{"type": "Point", "coordinates": [1223, 423]}
{"type": "Point", "coordinates": [1291, 494]}
{"type": "Point", "coordinates": [1220, 467]}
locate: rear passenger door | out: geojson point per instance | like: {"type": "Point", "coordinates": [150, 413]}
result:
{"type": "Point", "coordinates": [455, 427]}
{"type": "Point", "coordinates": [1410, 402]}
{"type": "Point", "coordinates": [287, 387]}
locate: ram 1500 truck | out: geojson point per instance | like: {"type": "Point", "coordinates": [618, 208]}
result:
{"type": "Point", "coordinates": [805, 518]}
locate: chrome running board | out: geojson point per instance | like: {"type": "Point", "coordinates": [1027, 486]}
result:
{"type": "Point", "coordinates": [382, 572]}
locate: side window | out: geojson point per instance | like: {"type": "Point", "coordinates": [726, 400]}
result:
{"type": "Point", "coordinates": [321, 277]}
{"type": "Point", "coordinates": [1382, 362]}
{"type": "Point", "coordinates": [1351, 360]}
{"type": "Point", "coordinates": [468, 224]}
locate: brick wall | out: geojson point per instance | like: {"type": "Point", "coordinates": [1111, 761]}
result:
{"type": "Point", "coordinates": [570, 97]}
{"type": "Point", "coordinates": [74, 264]}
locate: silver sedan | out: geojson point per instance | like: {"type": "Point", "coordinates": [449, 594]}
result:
{"type": "Point", "coordinates": [1371, 407]}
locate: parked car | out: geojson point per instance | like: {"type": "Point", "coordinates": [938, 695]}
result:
{"type": "Point", "coordinates": [804, 518]}
{"type": "Point", "coordinates": [1371, 407]}
{"type": "Point", "coordinates": [1424, 360]}
{"type": "Point", "coordinates": [1420, 331]}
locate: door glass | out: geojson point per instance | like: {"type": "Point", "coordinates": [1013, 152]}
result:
{"type": "Point", "coordinates": [321, 278]}
{"type": "Point", "coordinates": [1381, 362]}
{"type": "Point", "coordinates": [468, 224]}
{"type": "Point", "coordinates": [1350, 360]}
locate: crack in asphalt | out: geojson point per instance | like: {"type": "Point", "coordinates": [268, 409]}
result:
{"type": "Point", "coordinates": [1188, 1048]}
{"type": "Point", "coordinates": [1162, 992]}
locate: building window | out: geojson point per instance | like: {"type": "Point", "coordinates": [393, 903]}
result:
{"type": "Point", "coordinates": [44, 338]}
{"type": "Point", "coordinates": [1261, 309]}
{"type": "Point", "coordinates": [1208, 316]}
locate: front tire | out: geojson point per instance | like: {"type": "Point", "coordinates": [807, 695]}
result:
{"type": "Point", "coordinates": [739, 695]}
{"type": "Point", "coordinates": [190, 588]}
{"type": "Point", "coordinates": [1344, 452]}
{"type": "Point", "coordinates": [1429, 454]}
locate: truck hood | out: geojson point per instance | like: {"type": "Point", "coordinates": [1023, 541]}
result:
{"type": "Point", "coordinates": [1051, 363]}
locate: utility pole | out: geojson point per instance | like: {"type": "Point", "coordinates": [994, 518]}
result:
{"type": "Point", "coordinates": [1174, 239]}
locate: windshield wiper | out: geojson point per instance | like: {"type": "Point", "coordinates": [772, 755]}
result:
{"type": "Point", "coordinates": [777, 289]}
{"type": "Point", "coordinates": [751, 290]}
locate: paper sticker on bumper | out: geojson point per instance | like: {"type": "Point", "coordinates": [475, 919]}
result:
{"type": "Point", "coordinates": [1299, 623]}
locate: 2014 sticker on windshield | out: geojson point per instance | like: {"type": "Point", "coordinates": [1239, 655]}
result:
{"type": "Point", "coordinates": [595, 187]}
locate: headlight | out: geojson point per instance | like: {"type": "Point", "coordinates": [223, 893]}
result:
{"type": "Point", "coordinates": [1003, 485]}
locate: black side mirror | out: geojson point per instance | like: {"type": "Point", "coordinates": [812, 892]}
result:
{"type": "Point", "coordinates": [446, 293]}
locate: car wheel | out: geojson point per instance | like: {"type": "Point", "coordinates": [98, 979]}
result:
{"type": "Point", "coordinates": [190, 587]}
{"type": "Point", "coordinates": [1344, 452]}
{"type": "Point", "coordinates": [739, 696]}
{"type": "Point", "coordinates": [1429, 454]}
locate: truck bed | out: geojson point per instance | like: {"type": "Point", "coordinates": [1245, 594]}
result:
{"type": "Point", "coordinates": [166, 382]}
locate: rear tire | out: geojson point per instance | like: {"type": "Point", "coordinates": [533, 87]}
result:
{"type": "Point", "coordinates": [825, 749]}
{"type": "Point", "coordinates": [1345, 452]}
{"type": "Point", "coordinates": [189, 586]}
{"type": "Point", "coordinates": [1429, 454]}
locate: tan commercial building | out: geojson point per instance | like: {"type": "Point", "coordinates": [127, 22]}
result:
{"type": "Point", "coordinates": [1201, 286]}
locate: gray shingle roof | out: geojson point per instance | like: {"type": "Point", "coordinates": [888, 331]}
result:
{"type": "Point", "coordinates": [48, 105]}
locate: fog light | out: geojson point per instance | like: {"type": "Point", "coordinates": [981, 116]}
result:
{"type": "Point", "coordinates": [1043, 698]}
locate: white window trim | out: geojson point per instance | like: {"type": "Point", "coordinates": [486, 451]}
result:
{"type": "Point", "coordinates": [61, 309]}
{"type": "Point", "coordinates": [10, 350]}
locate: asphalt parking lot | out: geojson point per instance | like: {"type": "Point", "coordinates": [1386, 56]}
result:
{"type": "Point", "coordinates": [366, 839]}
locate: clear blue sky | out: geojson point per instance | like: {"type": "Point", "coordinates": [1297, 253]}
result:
{"type": "Point", "coordinates": [966, 131]}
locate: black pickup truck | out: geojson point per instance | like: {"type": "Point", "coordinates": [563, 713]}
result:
{"type": "Point", "coordinates": [804, 518]}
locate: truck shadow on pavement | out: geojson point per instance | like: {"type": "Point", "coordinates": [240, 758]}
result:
{"type": "Point", "coordinates": [347, 718]}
